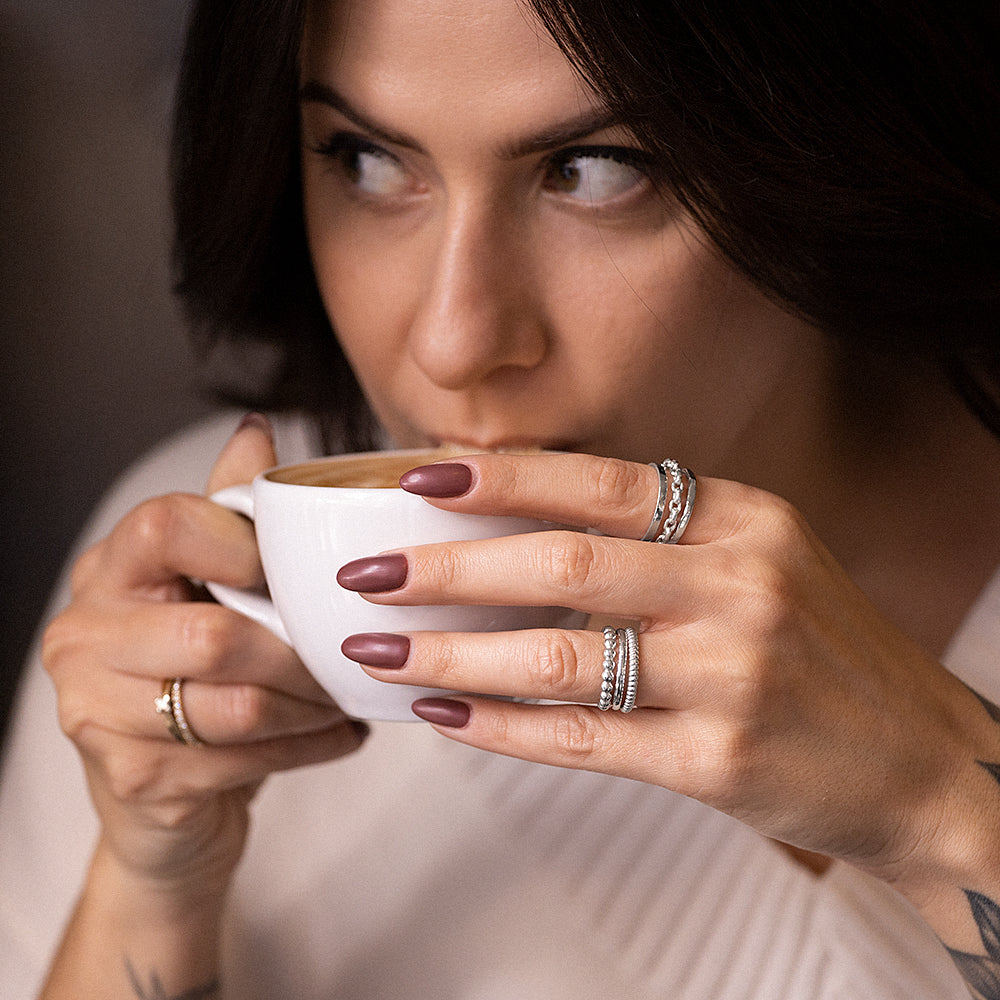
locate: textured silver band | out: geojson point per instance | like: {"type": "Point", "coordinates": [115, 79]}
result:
{"type": "Point", "coordinates": [688, 507]}
{"type": "Point", "coordinates": [683, 486]}
{"type": "Point", "coordinates": [620, 673]}
{"type": "Point", "coordinates": [608, 673]}
{"type": "Point", "coordinates": [632, 654]}
{"type": "Point", "coordinates": [676, 473]}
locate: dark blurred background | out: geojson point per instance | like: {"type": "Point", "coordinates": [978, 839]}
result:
{"type": "Point", "coordinates": [95, 366]}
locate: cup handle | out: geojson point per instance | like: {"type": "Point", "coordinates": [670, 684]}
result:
{"type": "Point", "coordinates": [247, 602]}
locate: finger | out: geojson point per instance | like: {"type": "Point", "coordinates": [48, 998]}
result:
{"type": "Point", "coordinates": [200, 641]}
{"type": "Point", "coordinates": [609, 576]}
{"type": "Point", "coordinates": [250, 450]}
{"type": "Point", "coordinates": [134, 770]}
{"type": "Point", "coordinates": [607, 494]}
{"type": "Point", "coordinates": [647, 744]}
{"type": "Point", "coordinates": [94, 699]}
{"type": "Point", "coordinates": [218, 714]}
{"type": "Point", "coordinates": [549, 664]}
{"type": "Point", "coordinates": [170, 538]}
{"type": "Point", "coordinates": [229, 714]}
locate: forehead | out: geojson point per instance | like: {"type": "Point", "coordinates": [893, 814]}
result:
{"type": "Point", "coordinates": [487, 60]}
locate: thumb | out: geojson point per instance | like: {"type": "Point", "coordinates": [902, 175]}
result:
{"type": "Point", "coordinates": [250, 450]}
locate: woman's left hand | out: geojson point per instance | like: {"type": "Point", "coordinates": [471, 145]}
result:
{"type": "Point", "coordinates": [769, 686]}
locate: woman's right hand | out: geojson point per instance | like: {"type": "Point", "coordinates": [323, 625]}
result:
{"type": "Point", "coordinates": [175, 817]}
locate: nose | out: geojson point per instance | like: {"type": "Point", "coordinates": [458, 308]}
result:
{"type": "Point", "coordinates": [479, 311]}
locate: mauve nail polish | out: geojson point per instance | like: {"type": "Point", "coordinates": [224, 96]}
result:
{"type": "Point", "coordinates": [447, 479]}
{"type": "Point", "coordinates": [260, 422]}
{"type": "Point", "coordinates": [374, 575]}
{"type": "Point", "coordinates": [377, 649]}
{"type": "Point", "coordinates": [442, 711]}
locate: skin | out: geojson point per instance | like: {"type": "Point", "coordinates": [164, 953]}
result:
{"type": "Point", "coordinates": [495, 287]}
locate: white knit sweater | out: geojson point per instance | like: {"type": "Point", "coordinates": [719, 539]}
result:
{"type": "Point", "coordinates": [419, 868]}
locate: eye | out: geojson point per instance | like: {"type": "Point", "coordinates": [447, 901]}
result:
{"type": "Point", "coordinates": [370, 170]}
{"type": "Point", "coordinates": [597, 175]}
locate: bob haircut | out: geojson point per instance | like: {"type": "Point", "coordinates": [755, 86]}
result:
{"type": "Point", "coordinates": [844, 155]}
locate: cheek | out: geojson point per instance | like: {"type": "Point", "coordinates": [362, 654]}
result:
{"type": "Point", "coordinates": [363, 293]}
{"type": "Point", "coordinates": [651, 303]}
{"type": "Point", "coordinates": [693, 314]}
{"type": "Point", "coordinates": [689, 350]}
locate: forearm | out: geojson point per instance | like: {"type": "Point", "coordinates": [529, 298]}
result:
{"type": "Point", "coordinates": [126, 940]}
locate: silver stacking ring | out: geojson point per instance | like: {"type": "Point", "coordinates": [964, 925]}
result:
{"type": "Point", "coordinates": [170, 705]}
{"type": "Point", "coordinates": [661, 505]}
{"type": "Point", "coordinates": [608, 674]}
{"type": "Point", "coordinates": [632, 656]}
{"type": "Point", "coordinates": [670, 517]}
{"type": "Point", "coordinates": [620, 674]}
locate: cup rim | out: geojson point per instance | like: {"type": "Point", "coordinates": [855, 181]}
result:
{"type": "Point", "coordinates": [421, 456]}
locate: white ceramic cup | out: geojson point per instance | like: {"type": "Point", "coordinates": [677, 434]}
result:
{"type": "Point", "coordinates": [307, 530]}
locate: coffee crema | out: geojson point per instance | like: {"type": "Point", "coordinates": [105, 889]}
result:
{"type": "Point", "coordinates": [378, 470]}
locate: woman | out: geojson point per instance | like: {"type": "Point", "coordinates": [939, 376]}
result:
{"type": "Point", "coordinates": [767, 247]}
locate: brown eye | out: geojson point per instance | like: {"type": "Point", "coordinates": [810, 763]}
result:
{"type": "Point", "coordinates": [594, 177]}
{"type": "Point", "coordinates": [375, 173]}
{"type": "Point", "coordinates": [368, 168]}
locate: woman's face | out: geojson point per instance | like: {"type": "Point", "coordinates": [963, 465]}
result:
{"type": "Point", "coordinates": [497, 262]}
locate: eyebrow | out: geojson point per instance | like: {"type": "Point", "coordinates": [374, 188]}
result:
{"type": "Point", "coordinates": [551, 137]}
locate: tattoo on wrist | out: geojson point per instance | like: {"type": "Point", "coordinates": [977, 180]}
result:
{"type": "Point", "coordinates": [992, 710]}
{"type": "Point", "coordinates": [982, 972]}
{"type": "Point", "coordinates": [993, 769]}
{"type": "Point", "coordinates": [155, 990]}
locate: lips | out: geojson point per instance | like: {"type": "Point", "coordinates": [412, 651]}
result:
{"type": "Point", "coordinates": [513, 445]}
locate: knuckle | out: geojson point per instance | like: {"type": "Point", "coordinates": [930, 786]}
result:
{"type": "Point", "coordinates": [568, 560]}
{"type": "Point", "coordinates": [617, 484]}
{"type": "Point", "coordinates": [781, 524]}
{"type": "Point", "coordinates": [441, 567]}
{"type": "Point", "coordinates": [763, 592]}
{"type": "Point", "coordinates": [74, 714]}
{"type": "Point", "coordinates": [131, 778]}
{"type": "Point", "coordinates": [767, 592]}
{"type": "Point", "coordinates": [57, 639]}
{"type": "Point", "coordinates": [578, 735]}
{"type": "Point", "coordinates": [712, 763]}
{"type": "Point", "coordinates": [447, 660]}
{"type": "Point", "coordinates": [242, 711]}
{"type": "Point", "coordinates": [208, 636]}
{"type": "Point", "coordinates": [555, 663]}
{"type": "Point", "coordinates": [65, 660]}
{"type": "Point", "coordinates": [85, 568]}
{"type": "Point", "coordinates": [506, 477]}
{"type": "Point", "coordinates": [152, 525]}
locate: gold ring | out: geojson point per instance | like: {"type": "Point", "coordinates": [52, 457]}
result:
{"type": "Point", "coordinates": [170, 705]}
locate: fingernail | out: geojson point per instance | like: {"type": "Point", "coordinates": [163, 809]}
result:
{"type": "Point", "coordinates": [374, 575]}
{"type": "Point", "coordinates": [377, 649]}
{"type": "Point", "coordinates": [260, 422]}
{"type": "Point", "coordinates": [448, 479]}
{"type": "Point", "coordinates": [442, 712]}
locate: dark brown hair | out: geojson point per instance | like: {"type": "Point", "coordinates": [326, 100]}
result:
{"type": "Point", "coordinates": [844, 155]}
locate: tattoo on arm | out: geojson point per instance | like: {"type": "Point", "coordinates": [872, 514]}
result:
{"type": "Point", "coordinates": [982, 972]}
{"type": "Point", "coordinates": [156, 991]}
